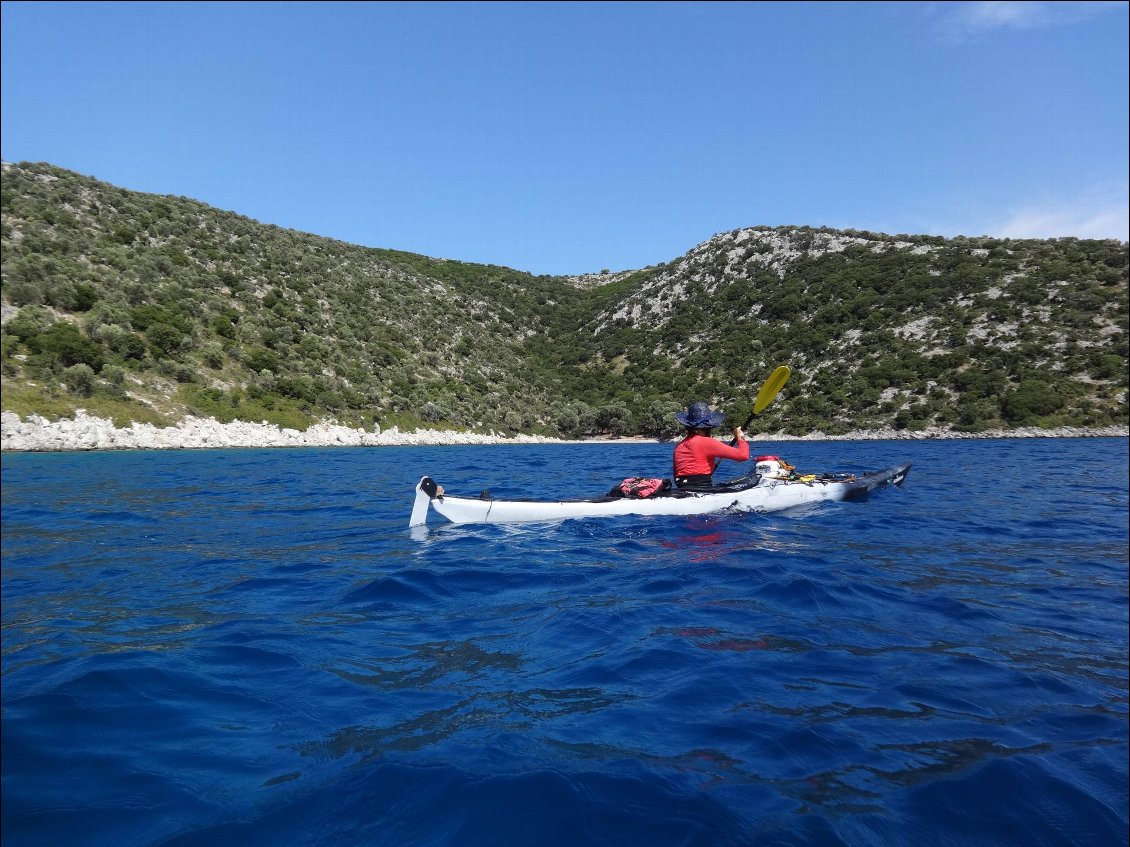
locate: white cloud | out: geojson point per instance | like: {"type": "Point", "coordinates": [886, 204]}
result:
{"type": "Point", "coordinates": [994, 15]}
{"type": "Point", "coordinates": [963, 20]}
{"type": "Point", "coordinates": [1081, 220]}
{"type": "Point", "coordinates": [1100, 213]}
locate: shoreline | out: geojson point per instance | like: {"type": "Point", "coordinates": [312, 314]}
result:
{"type": "Point", "coordinates": [85, 432]}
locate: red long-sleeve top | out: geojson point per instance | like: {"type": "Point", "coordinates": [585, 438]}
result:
{"type": "Point", "coordinates": [696, 454]}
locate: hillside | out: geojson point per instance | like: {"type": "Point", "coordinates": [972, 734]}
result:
{"type": "Point", "coordinates": [146, 307]}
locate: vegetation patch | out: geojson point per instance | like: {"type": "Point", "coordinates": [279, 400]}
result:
{"type": "Point", "coordinates": [154, 307]}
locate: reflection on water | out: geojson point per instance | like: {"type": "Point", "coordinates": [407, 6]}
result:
{"type": "Point", "coordinates": [424, 664]}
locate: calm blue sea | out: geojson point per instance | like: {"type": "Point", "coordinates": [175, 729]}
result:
{"type": "Point", "coordinates": [249, 647]}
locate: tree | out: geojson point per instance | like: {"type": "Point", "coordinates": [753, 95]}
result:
{"type": "Point", "coordinates": [658, 419]}
{"type": "Point", "coordinates": [31, 321]}
{"type": "Point", "coordinates": [614, 419]}
{"type": "Point", "coordinates": [1031, 399]}
{"type": "Point", "coordinates": [79, 379]}
{"type": "Point", "coordinates": [62, 343]}
{"type": "Point", "coordinates": [164, 339]}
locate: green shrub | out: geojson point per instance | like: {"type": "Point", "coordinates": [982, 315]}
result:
{"type": "Point", "coordinates": [64, 345]}
{"type": "Point", "coordinates": [1031, 400]}
{"type": "Point", "coordinates": [163, 339]}
{"type": "Point", "coordinates": [79, 379]}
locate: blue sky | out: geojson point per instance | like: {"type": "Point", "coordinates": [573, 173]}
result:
{"type": "Point", "coordinates": [570, 137]}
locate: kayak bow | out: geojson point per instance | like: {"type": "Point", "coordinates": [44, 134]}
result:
{"type": "Point", "coordinates": [748, 494]}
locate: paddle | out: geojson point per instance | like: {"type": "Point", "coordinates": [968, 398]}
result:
{"type": "Point", "coordinates": [765, 396]}
{"type": "Point", "coordinates": [768, 392]}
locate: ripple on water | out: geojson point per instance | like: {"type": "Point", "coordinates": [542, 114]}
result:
{"type": "Point", "coordinates": [250, 647]}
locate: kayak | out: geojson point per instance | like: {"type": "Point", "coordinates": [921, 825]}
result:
{"type": "Point", "coordinates": [753, 493]}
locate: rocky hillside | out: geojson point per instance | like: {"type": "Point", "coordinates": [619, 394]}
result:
{"type": "Point", "coordinates": [145, 307]}
{"type": "Point", "coordinates": [910, 331]}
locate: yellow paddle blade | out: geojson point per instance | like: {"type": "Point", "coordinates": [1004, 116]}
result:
{"type": "Point", "coordinates": [769, 390]}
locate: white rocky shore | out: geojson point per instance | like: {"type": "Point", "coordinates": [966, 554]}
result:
{"type": "Point", "coordinates": [85, 432]}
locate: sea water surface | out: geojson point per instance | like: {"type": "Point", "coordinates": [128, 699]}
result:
{"type": "Point", "coordinates": [250, 647]}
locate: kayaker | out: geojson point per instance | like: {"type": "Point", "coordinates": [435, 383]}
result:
{"type": "Point", "coordinates": [698, 453]}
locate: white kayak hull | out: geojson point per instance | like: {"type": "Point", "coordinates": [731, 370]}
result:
{"type": "Point", "coordinates": [764, 496]}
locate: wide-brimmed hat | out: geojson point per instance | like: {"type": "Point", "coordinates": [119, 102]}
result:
{"type": "Point", "coordinates": [699, 416]}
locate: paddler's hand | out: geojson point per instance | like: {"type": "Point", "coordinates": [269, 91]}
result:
{"type": "Point", "coordinates": [739, 434]}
